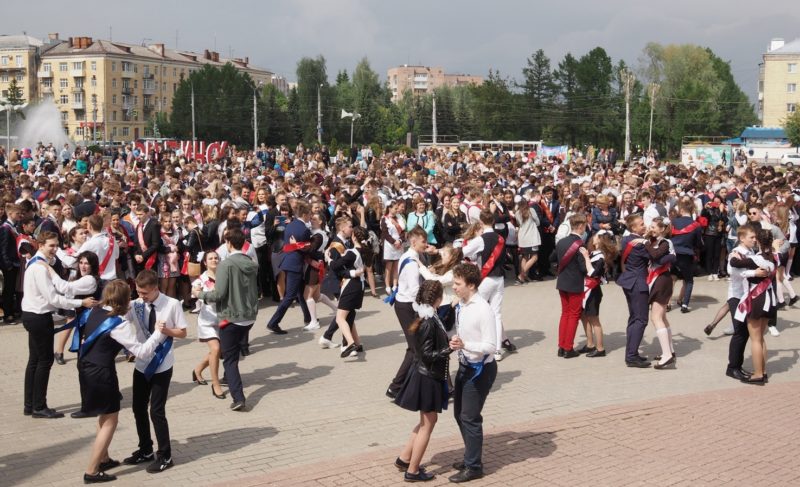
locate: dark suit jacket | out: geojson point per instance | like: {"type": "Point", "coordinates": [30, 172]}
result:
{"type": "Point", "coordinates": [152, 238]}
{"type": "Point", "coordinates": [570, 279]}
{"type": "Point", "coordinates": [634, 277]}
{"type": "Point", "coordinates": [293, 261]}
{"type": "Point", "coordinates": [8, 248]}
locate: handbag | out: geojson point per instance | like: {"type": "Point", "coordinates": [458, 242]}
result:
{"type": "Point", "coordinates": [194, 269]}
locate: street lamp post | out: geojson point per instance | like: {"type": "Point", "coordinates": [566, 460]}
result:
{"type": "Point", "coordinates": [255, 117]}
{"type": "Point", "coordinates": [8, 107]}
{"type": "Point", "coordinates": [319, 115]}
{"type": "Point", "coordinates": [353, 116]}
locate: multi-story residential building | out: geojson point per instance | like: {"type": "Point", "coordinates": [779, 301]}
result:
{"type": "Point", "coordinates": [778, 82]}
{"type": "Point", "coordinates": [424, 79]}
{"type": "Point", "coordinates": [110, 90]}
{"type": "Point", "coordinates": [19, 56]}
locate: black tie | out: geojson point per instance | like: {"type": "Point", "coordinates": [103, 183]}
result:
{"type": "Point", "coordinates": [151, 325]}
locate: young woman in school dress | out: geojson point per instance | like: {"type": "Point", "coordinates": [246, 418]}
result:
{"type": "Point", "coordinates": [350, 268]}
{"type": "Point", "coordinates": [84, 285]}
{"type": "Point", "coordinates": [602, 254]}
{"type": "Point", "coordinates": [662, 256]}
{"type": "Point", "coordinates": [100, 394]}
{"type": "Point", "coordinates": [208, 327]}
{"type": "Point", "coordinates": [393, 235]}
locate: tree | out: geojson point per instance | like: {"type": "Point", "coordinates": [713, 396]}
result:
{"type": "Point", "coordinates": [367, 99]}
{"type": "Point", "coordinates": [14, 93]}
{"type": "Point", "coordinates": [792, 126]}
{"type": "Point", "coordinates": [223, 100]}
{"type": "Point", "coordinates": [539, 89]}
{"type": "Point", "coordinates": [312, 84]}
{"type": "Point", "coordinates": [565, 123]}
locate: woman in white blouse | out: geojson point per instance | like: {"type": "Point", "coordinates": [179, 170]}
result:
{"type": "Point", "coordinates": [83, 287]}
{"type": "Point", "coordinates": [68, 256]}
{"type": "Point", "coordinates": [208, 327]}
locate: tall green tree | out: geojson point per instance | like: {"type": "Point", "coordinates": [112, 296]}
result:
{"type": "Point", "coordinates": [594, 76]}
{"type": "Point", "coordinates": [565, 121]}
{"type": "Point", "coordinates": [367, 98]}
{"type": "Point", "coordinates": [792, 126]}
{"type": "Point", "coordinates": [539, 89]}
{"type": "Point", "coordinates": [14, 93]}
{"type": "Point", "coordinates": [312, 84]}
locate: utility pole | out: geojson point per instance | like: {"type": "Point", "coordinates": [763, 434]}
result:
{"type": "Point", "coordinates": [434, 119]}
{"type": "Point", "coordinates": [627, 78]}
{"type": "Point", "coordinates": [654, 87]}
{"type": "Point", "coordinates": [255, 123]}
{"type": "Point", "coordinates": [194, 135]}
{"type": "Point", "coordinates": [319, 115]}
{"type": "Point", "coordinates": [94, 119]}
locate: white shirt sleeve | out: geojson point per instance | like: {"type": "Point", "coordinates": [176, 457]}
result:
{"type": "Point", "coordinates": [125, 335]}
{"type": "Point", "coordinates": [83, 286]}
{"type": "Point", "coordinates": [473, 248]}
{"type": "Point", "coordinates": [43, 284]}
{"type": "Point", "coordinates": [488, 340]}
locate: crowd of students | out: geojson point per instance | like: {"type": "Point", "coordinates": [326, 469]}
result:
{"type": "Point", "coordinates": [301, 226]}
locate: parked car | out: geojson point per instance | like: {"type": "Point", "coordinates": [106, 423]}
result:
{"type": "Point", "coordinates": [790, 160]}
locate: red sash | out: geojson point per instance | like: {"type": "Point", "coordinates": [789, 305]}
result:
{"type": "Point", "coordinates": [22, 238]}
{"type": "Point", "coordinates": [245, 247]}
{"type": "Point", "coordinates": [758, 290]}
{"type": "Point", "coordinates": [549, 214]}
{"type": "Point", "coordinates": [687, 229]}
{"type": "Point", "coordinates": [110, 252]}
{"type": "Point", "coordinates": [589, 283]}
{"type": "Point", "coordinates": [489, 264]}
{"type": "Point", "coordinates": [654, 273]}
{"type": "Point", "coordinates": [627, 251]}
{"type": "Point", "coordinates": [151, 261]}
{"type": "Point", "coordinates": [569, 254]}
{"type": "Point", "coordinates": [293, 247]}
{"type": "Point", "coordinates": [397, 227]}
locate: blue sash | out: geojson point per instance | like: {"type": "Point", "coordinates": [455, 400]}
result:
{"type": "Point", "coordinates": [105, 327]}
{"type": "Point", "coordinates": [34, 260]}
{"type": "Point", "coordinates": [390, 299]}
{"type": "Point", "coordinates": [78, 323]}
{"type": "Point", "coordinates": [161, 353]}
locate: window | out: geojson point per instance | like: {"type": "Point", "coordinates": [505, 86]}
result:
{"type": "Point", "coordinates": [46, 67]}
{"type": "Point", "coordinates": [114, 116]}
{"type": "Point", "coordinates": [135, 100]}
{"type": "Point", "coordinates": [163, 70]}
{"type": "Point", "coordinates": [64, 116]}
{"type": "Point", "coordinates": [4, 77]}
{"type": "Point", "coordinates": [62, 67]}
{"type": "Point", "coordinates": [125, 131]}
{"type": "Point", "coordinates": [20, 76]}
{"type": "Point", "coordinates": [174, 72]}
{"type": "Point", "coordinates": [47, 82]}
{"type": "Point", "coordinates": [77, 65]}
{"type": "Point", "coordinates": [791, 87]}
{"type": "Point", "coordinates": [113, 99]}
{"type": "Point", "coordinates": [78, 82]}
{"type": "Point", "coordinates": [79, 131]}
{"type": "Point", "coordinates": [94, 81]}
{"type": "Point", "coordinates": [114, 82]}
{"type": "Point", "coordinates": [94, 65]}
{"type": "Point", "coordinates": [63, 83]}
{"type": "Point", "coordinates": [66, 131]}
{"type": "Point", "coordinates": [174, 88]}
{"type": "Point", "coordinates": [4, 60]}
{"type": "Point", "coordinates": [77, 97]}
{"type": "Point", "coordinates": [64, 99]}
{"type": "Point", "coordinates": [4, 93]}
{"type": "Point", "coordinates": [114, 132]}
{"type": "Point", "coordinates": [113, 65]}
{"type": "Point", "coordinates": [19, 60]}
{"type": "Point", "coordinates": [791, 107]}
{"type": "Point", "coordinates": [164, 86]}
{"type": "Point", "coordinates": [792, 67]}
{"type": "Point", "coordinates": [136, 83]}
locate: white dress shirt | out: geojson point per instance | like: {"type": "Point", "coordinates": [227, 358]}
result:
{"type": "Point", "coordinates": [38, 296]}
{"type": "Point", "coordinates": [170, 312]}
{"type": "Point", "coordinates": [408, 282]}
{"type": "Point", "coordinates": [475, 325]}
{"type": "Point", "coordinates": [99, 245]}
{"type": "Point", "coordinates": [85, 286]}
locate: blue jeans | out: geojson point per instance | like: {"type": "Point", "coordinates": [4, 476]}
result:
{"type": "Point", "coordinates": [468, 402]}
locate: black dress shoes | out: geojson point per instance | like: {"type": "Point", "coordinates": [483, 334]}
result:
{"type": "Point", "coordinates": [109, 464]}
{"type": "Point", "coordinates": [97, 478]}
{"type": "Point", "coordinates": [400, 464]}
{"type": "Point", "coordinates": [59, 358]}
{"type": "Point", "coordinates": [138, 457]}
{"type": "Point", "coordinates": [81, 415]}
{"type": "Point", "coordinates": [585, 349]}
{"type": "Point", "coordinates": [571, 354]}
{"type": "Point", "coordinates": [670, 363]}
{"type": "Point", "coordinates": [466, 475]}
{"type": "Point", "coordinates": [459, 466]}
{"type": "Point", "coordinates": [637, 364]}
{"type": "Point", "coordinates": [391, 394]}
{"type": "Point", "coordinates": [27, 411]}
{"type": "Point", "coordinates": [277, 330]}
{"type": "Point", "coordinates": [596, 353]}
{"type": "Point", "coordinates": [238, 406]}
{"type": "Point", "coordinates": [47, 413]}
{"type": "Point", "coordinates": [508, 346]}
{"type": "Point", "coordinates": [421, 476]}
{"type": "Point", "coordinates": [737, 374]}
{"type": "Point", "coordinates": [756, 382]}
{"type": "Point", "coordinates": [347, 351]}
{"type": "Point", "coordinates": [560, 352]}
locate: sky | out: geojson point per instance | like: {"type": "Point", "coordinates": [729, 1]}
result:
{"type": "Point", "coordinates": [468, 36]}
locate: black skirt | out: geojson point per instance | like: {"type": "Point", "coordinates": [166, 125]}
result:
{"type": "Point", "coordinates": [757, 309]}
{"type": "Point", "coordinates": [592, 307]}
{"type": "Point", "coordinates": [422, 393]}
{"type": "Point", "coordinates": [661, 292]}
{"type": "Point", "coordinates": [100, 389]}
{"type": "Point", "coordinates": [352, 296]}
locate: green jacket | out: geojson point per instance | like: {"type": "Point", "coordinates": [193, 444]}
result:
{"type": "Point", "coordinates": [235, 290]}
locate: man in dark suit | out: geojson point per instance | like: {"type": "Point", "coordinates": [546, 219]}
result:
{"type": "Point", "coordinates": [292, 265]}
{"type": "Point", "coordinates": [50, 223]}
{"type": "Point", "coordinates": [548, 225]}
{"type": "Point", "coordinates": [572, 258]}
{"type": "Point", "coordinates": [9, 263]}
{"type": "Point", "coordinates": [633, 280]}
{"type": "Point", "coordinates": [148, 239]}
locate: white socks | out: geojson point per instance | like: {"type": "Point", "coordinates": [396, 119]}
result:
{"type": "Point", "coordinates": [328, 302]}
{"type": "Point", "coordinates": [666, 344]}
{"type": "Point", "coordinates": [671, 347]}
{"type": "Point", "coordinates": [312, 309]}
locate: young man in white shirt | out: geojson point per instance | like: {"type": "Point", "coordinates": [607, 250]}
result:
{"type": "Point", "coordinates": [475, 341]}
{"type": "Point", "coordinates": [151, 378]}
{"type": "Point", "coordinates": [104, 246]}
{"type": "Point", "coordinates": [39, 301]}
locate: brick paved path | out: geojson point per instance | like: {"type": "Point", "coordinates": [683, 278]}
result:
{"type": "Point", "coordinates": [308, 406]}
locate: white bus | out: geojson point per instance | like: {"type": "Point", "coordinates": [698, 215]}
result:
{"type": "Point", "coordinates": [511, 147]}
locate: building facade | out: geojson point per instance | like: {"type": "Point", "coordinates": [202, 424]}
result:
{"type": "Point", "coordinates": [19, 56]}
{"type": "Point", "coordinates": [778, 82]}
{"type": "Point", "coordinates": [424, 79]}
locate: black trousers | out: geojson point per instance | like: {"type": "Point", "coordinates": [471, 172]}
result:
{"type": "Point", "coordinates": [230, 342]}
{"type": "Point", "coordinates": [713, 246]}
{"type": "Point", "coordinates": [406, 315]}
{"type": "Point", "coordinates": [265, 280]}
{"type": "Point", "coordinates": [40, 358]}
{"type": "Point", "coordinates": [738, 339]}
{"type": "Point", "coordinates": [545, 249]}
{"type": "Point", "coordinates": [10, 302]}
{"type": "Point", "coordinates": [155, 392]}
{"type": "Point", "coordinates": [468, 400]}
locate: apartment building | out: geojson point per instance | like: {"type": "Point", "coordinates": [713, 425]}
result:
{"type": "Point", "coordinates": [18, 61]}
{"type": "Point", "coordinates": [424, 79]}
{"type": "Point", "coordinates": [778, 82]}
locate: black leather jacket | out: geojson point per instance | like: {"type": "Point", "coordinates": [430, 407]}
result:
{"type": "Point", "coordinates": [432, 347]}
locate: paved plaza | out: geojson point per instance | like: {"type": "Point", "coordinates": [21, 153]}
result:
{"type": "Point", "coordinates": [316, 419]}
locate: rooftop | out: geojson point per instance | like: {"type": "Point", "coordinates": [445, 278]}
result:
{"type": "Point", "coordinates": [763, 133]}
{"type": "Point", "coordinates": [792, 47]}
{"type": "Point", "coordinates": [19, 41]}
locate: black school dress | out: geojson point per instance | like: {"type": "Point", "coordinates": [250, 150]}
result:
{"type": "Point", "coordinates": [97, 369]}
{"type": "Point", "coordinates": [426, 392]}
{"type": "Point", "coordinates": [352, 295]}
{"type": "Point", "coordinates": [661, 253]}
{"type": "Point", "coordinates": [598, 270]}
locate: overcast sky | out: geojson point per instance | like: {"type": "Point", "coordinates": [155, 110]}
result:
{"type": "Point", "coordinates": [469, 36]}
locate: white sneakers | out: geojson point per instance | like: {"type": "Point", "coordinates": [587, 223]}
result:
{"type": "Point", "coordinates": [325, 343]}
{"type": "Point", "coordinates": [774, 331]}
{"type": "Point", "coordinates": [314, 325]}
{"type": "Point", "coordinates": [498, 355]}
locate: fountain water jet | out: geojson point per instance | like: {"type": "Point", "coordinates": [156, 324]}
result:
{"type": "Point", "coordinates": [42, 124]}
